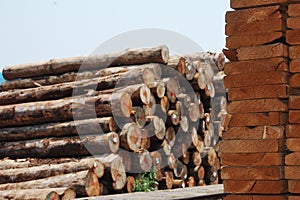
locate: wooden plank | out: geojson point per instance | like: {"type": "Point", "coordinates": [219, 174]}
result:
{"type": "Point", "coordinates": [292, 172]}
{"type": "Point", "coordinates": [257, 106]}
{"type": "Point", "coordinates": [293, 144]}
{"type": "Point", "coordinates": [294, 186]}
{"type": "Point", "coordinates": [237, 4]}
{"type": "Point", "coordinates": [263, 51]}
{"type": "Point", "coordinates": [230, 54]}
{"type": "Point", "coordinates": [252, 159]}
{"type": "Point", "coordinates": [263, 26]}
{"type": "Point", "coordinates": [295, 66]}
{"type": "Point", "coordinates": [293, 22]}
{"type": "Point", "coordinates": [246, 40]}
{"type": "Point", "coordinates": [252, 173]}
{"type": "Point", "coordinates": [294, 10]}
{"type": "Point", "coordinates": [295, 80]}
{"type": "Point", "coordinates": [293, 131]}
{"type": "Point", "coordinates": [199, 192]}
{"type": "Point", "coordinates": [293, 37]}
{"type": "Point", "coordinates": [256, 197]}
{"type": "Point", "coordinates": [258, 92]}
{"type": "Point", "coordinates": [251, 146]}
{"type": "Point", "coordinates": [258, 119]}
{"type": "Point", "coordinates": [253, 79]}
{"type": "Point", "coordinates": [292, 158]}
{"type": "Point", "coordinates": [253, 14]}
{"type": "Point", "coordinates": [294, 52]}
{"type": "Point", "coordinates": [255, 187]}
{"type": "Point", "coordinates": [254, 66]}
{"type": "Point", "coordinates": [294, 102]}
{"type": "Point", "coordinates": [259, 132]}
{"type": "Point", "coordinates": [294, 116]}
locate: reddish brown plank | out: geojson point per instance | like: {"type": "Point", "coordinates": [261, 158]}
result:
{"type": "Point", "coordinates": [257, 106]}
{"type": "Point", "coordinates": [293, 131]}
{"type": "Point", "coordinates": [251, 146]}
{"type": "Point", "coordinates": [295, 66]}
{"type": "Point", "coordinates": [252, 159]}
{"type": "Point", "coordinates": [262, 78]}
{"type": "Point", "coordinates": [294, 52]}
{"type": "Point", "coordinates": [263, 26]}
{"type": "Point", "coordinates": [294, 10]}
{"type": "Point", "coordinates": [258, 92]}
{"type": "Point", "coordinates": [292, 158]}
{"type": "Point", "coordinates": [294, 102]}
{"type": "Point", "coordinates": [294, 186]}
{"type": "Point", "coordinates": [253, 66]}
{"type": "Point", "coordinates": [259, 132]}
{"type": "Point", "coordinates": [294, 116]}
{"type": "Point", "coordinates": [257, 119]}
{"type": "Point", "coordinates": [252, 39]}
{"type": "Point", "coordinates": [255, 187]}
{"type": "Point", "coordinates": [293, 22]}
{"type": "Point", "coordinates": [236, 4]}
{"type": "Point", "coordinates": [292, 172]}
{"type": "Point", "coordinates": [293, 144]}
{"type": "Point", "coordinates": [252, 173]}
{"type": "Point", "coordinates": [293, 37]}
{"type": "Point", "coordinates": [263, 51]}
{"type": "Point", "coordinates": [295, 81]}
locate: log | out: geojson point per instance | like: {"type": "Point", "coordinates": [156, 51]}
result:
{"type": "Point", "coordinates": [46, 170]}
{"type": "Point", "coordinates": [142, 160]}
{"type": "Point", "coordinates": [7, 163]}
{"type": "Point", "coordinates": [65, 110]}
{"type": "Point", "coordinates": [58, 66]}
{"type": "Point", "coordinates": [130, 184]}
{"type": "Point", "coordinates": [180, 170]}
{"type": "Point", "coordinates": [33, 194]}
{"type": "Point", "coordinates": [69, 194]}
{"type": "Point", "coordinates": [61, 147]}
{"type": "Point", "coordinates": [79, 181]}
{"type": "Point", "coordinates": [114, 178]}
{"type": "Point", "coordinates": [134, 75]}
{"type": "Point", "coordinates": [177, 62]}
{"type": "Point", "coordinates": [88, 126]}
{"type": "Point", "coordinates": [240, 4]}
{"type": "Point", "coordinates": [191, 182]}
{"type": "Point", "coordinates": [130, 137]}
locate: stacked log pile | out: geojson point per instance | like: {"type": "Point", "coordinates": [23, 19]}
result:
{"type": "Point", "coordinates": [89, 126]}
{"type": "Point", "coordinates": [292, 160]}
{"type": "Point", "coordinates": [252, 150]}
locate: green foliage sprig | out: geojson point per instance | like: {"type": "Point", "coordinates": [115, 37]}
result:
{"type": "Point", "coordinates": [146, 182]}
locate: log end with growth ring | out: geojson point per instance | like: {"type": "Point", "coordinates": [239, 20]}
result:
{"type": "Point", "coordinates": [114, 142]}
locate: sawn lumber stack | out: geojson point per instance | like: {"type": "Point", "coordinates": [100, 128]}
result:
{"type": "Point", "coordinates": [88, 126]}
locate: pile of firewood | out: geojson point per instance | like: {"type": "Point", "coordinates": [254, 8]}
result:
{"type": "Point", "coordinates": [89, 126]}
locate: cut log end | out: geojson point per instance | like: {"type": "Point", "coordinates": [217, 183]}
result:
{"type": "Point", "coordinates": [164, 103]}
{"type": "Point", "coordinates": [92, 185]}
{"type": "Point", "coordinates": [69, 194]}
{"type": "Point", "coordinates": [52, 196]}
{"type": "Point", "coordinates": [126, 104]}
{"type": "Point", "coordinates": [114, 142]}
{"type": "Point", "coordinates": [197, 160]}
{"type": "Point", "coordinates": [191, 182]}
{"type": "Point", "coordinates": [118, 174]}
{"type": "Point", "coordinates": [145, 161]}
{"type": "Point", "coordinates": [98, 168]}
{"type": "Point", "coordinates": [156, 159]}
{"type": "Point", "coordinates": [130, 184]}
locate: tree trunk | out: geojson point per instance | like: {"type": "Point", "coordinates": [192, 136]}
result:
{"type": "Point", "coordinates": [72, 128]}
{"type": "Point", "coordinates": [58, 66]}
{"type": "Point", "coordinates": [79, 181]}
{"type": "Point", "coordinates": [46, 170]}
{"type": "Point", "coordinates": [65, 110]}
{"type": "Point", "coordinates": [61, 147]}
{"type": "Point", "coordinates": [33, 194]}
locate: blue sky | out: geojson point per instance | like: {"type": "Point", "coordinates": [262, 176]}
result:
{"type": "Point", "coordinates": [35, 30]}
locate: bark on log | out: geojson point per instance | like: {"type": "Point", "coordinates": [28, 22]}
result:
{"type": "Point", "coordinates": [88, 126]}
{"type": "Point", "coordinates": [79, 181]}
{"type": "Point", "coordinates": [68, 194]}
{"type": "Point", "coordinates": [65, 110]}
{"type": "Point", "coordinates": [58, 66]}
{"type": "Point", "coordinates": [134, 75]}
{"type": "Point", "coordinates": [130, 137]}
{"type": "Point", "coordinates": [33, 194]}
{"type": "Point", "coordinates": [61, 147]}
{"type": "Point", "coordinates": [48, 170]}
